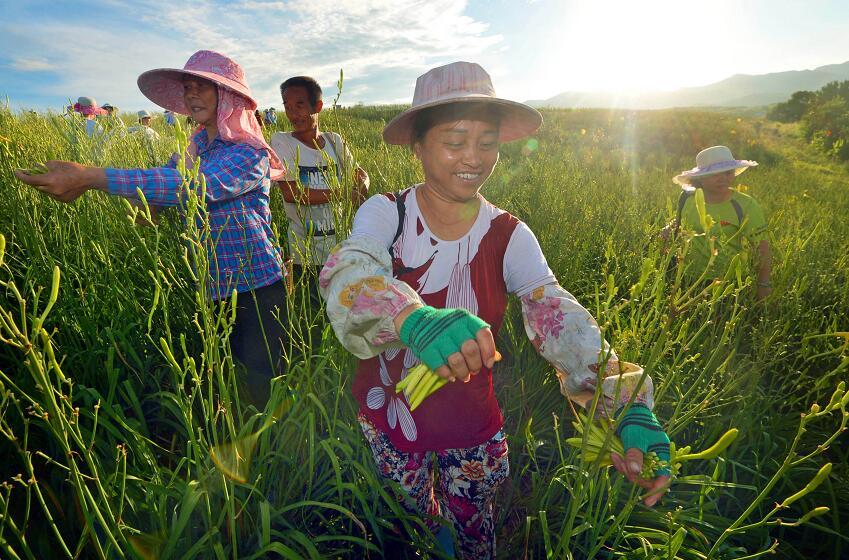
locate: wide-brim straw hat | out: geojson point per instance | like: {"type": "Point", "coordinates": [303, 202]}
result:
{"type": "Point", "coordinates": [164, 86]}
{"type": "Point", "coordinates": [713, 160]}
{"type": "Point", "coordinates": [462, 82]}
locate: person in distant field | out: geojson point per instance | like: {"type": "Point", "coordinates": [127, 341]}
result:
{"type": "Point", "coordinates": [317, 164]}
{"type": "Point", "coordinates": [425, 277]}
{"type": "Point", "coordinates": [170, 119]}
{"type": "Point", "coordinates": [113, 127]}
{"type": "Point", "coordinates": [112, 120]}
{"type": "Point", "coordinates": [144, 126]}
{"type": "Point", "coordinates": [739, 226]}
{"type": "Point", "coordinates": [87, 107]}
{"type": "Point", "coordinates": [239, 167]}
{"type": "Point", "coordinates": [271, 116]}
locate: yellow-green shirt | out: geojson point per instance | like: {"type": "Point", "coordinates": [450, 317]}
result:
{"type": "Point", "coordinates": [731, 236]}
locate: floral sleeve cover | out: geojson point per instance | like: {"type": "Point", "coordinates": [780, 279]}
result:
{"type": "Point", "coordinates": [362, 297]}
{"type": "Point", "coordinates": [567, 336]}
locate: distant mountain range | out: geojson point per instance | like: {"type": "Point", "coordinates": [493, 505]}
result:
{"type": "Point", "coordinates": [740, 90]}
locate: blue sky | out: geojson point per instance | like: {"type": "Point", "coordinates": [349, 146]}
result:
{"type": "Point", "coordinates": [50, 52]}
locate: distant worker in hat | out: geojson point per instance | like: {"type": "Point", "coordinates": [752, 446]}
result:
{"type": "Point", "coordinates": [319, 168]}
{"type": "Point", "coordinates": [271, 116]}
{"type": "Point", "coordinates": [144, 126]}
{"type": "Point", "coordinates": [238, 166]}
{"type": "Point", "coordinates": [88, 108]}
{"type": "Point", "coordinates": [736, 224]}
{"type": "Point", "coordinates": [425, 277]}
{"type": "Point", "coordinates": [112, 119]}
{"type": "Point", "coordinates": [170, 118]}
{"type": "Point", "coordinates": [112, 123]}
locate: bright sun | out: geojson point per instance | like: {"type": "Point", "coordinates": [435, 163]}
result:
{"type": "Point", "coordinates": [611, 45]}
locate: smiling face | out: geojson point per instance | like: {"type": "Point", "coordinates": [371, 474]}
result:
{"type": "Point", "coordinates": [458, 156]}
{"type": "Point", "coordinates": [201, 99]}
{"type": "Point", "coordinates": [299, 110]}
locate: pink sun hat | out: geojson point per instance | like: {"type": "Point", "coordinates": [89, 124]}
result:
{"type": "Point", "coordinates": [462, 82]}
{"type": "Point", "coordinates": [713, 160]}
{"type": "Point", "coordinates": [88, 106]}
{"type": "Point", "coordinates": [164, 86]}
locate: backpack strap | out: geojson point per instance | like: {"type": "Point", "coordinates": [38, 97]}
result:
{"type": "Point", "coordinates": [402, 211]}
{"type": "Point", "coordinates": [737, 210]}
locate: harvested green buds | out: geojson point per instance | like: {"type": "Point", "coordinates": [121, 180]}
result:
{"type": "Point", "coordinates": [421, 382]}
{"type": "Point", "coordinates": [602, 441]}
{"type": "Point", "coordinates": [37, 169]}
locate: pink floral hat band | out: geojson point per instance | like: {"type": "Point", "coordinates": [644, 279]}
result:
{"type": "Point", "coordinates": [88, 110]}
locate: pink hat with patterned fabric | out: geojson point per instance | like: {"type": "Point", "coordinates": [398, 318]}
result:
{"type": "Point", "coordinates": [88, 106]}
{"type": "Point", "coordinates": [164, 86]}
{"type": "Point", "coordinates": [462, 82]}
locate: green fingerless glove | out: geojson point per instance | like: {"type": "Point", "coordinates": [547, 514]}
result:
{"type": "Point", "coordinates": [434, 334]}
{"type": "Point", "coordinates": [639, 428]}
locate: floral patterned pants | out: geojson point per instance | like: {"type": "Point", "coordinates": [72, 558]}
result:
{"type": "Point", "coordinates": [468, 479]}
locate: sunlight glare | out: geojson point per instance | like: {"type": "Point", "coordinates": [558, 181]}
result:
{"type": "Point", "coordinates": [611, 45]}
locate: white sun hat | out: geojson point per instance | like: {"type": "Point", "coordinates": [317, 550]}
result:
{"type": "Point", "coordinates": [142, 114]}
{"type": "Point", "coordinates": [462, 82]}
{"type": "Point", "coordinates": [713, 160]}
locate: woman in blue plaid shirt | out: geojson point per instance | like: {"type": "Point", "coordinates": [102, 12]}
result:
{"type": "Point", "coordinates": [238, 166]}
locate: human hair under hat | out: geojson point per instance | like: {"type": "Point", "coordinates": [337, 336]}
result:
{"type": "Point", "coordinates": [462, 82]}
{"type": "Point", "coordinates": [713, 160]}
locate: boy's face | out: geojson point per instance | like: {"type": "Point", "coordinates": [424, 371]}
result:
{"type": "Point", "coordinates": [299, 110]}
{"type": "Point", "coordinates": [719, 182]}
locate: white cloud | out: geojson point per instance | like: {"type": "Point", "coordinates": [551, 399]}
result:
{"type": "Point", "coordinates": [31, 65]}
{"type": "Point", "coordinates": [370, 39]}
{"type": "Point", "coordinates": [382, 45]}
{"type": "Point", "coordinates": [104, 66]}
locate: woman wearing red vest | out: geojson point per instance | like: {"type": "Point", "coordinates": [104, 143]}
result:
{"type": "Point", "coordinates": [425, 276]}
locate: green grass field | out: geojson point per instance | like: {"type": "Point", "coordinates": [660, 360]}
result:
{"type": "Point", "coordinates": [116, 381]}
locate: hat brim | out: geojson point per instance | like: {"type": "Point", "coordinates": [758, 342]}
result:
{"type": "Point", "coordinates": [738, 165]}
{"type": "Point", "coordinates": [164, 86]}
{"type": "Point", "coordinates": [517, 119]}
